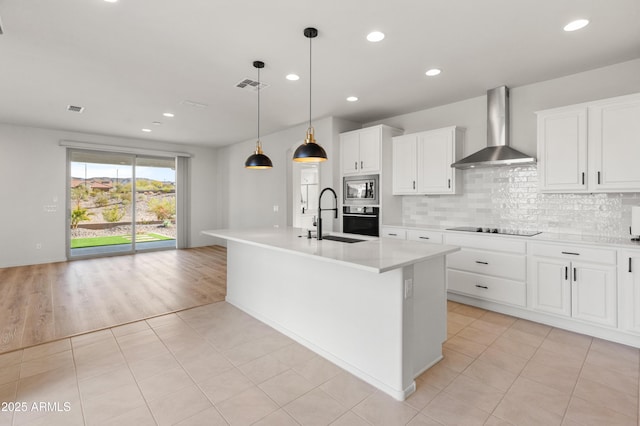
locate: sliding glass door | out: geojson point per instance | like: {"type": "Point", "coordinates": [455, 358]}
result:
{"type": "Point", "coordinates": [120, 203]}
{"type": "Point", "coordinates": [155, 188]}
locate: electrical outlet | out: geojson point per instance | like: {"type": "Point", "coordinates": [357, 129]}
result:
{"type": "Point", "coordinates": [408, 288]}
{"type": "Point", "coordinates": [276, 208]}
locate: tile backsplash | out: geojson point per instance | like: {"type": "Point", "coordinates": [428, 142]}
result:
{"type": "Point", "coordinates": [508, 197]}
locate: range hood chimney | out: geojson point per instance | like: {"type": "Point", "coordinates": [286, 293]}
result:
{"type": "Point", "coordinates": [498, 152]}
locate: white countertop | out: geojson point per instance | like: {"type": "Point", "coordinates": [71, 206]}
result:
{"type": "Point", "coordinates": [614, 242]}
{"type": "Point", "coordinates": [375, 254]}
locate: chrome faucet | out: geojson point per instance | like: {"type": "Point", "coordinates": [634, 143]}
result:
{"type": "Point", "coordinates": [335, 209]}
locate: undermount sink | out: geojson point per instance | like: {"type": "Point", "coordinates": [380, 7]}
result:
{"type": "Point", "coordinates": [341, 239]}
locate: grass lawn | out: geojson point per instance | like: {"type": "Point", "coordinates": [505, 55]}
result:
{"type": "Point", "coordinates": [115, 240]}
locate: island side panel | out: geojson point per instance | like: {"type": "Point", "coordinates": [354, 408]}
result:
{"type": "Point", "coordinates": [356, 319]}
{"type": "Point", "coordinates": [430, 313]}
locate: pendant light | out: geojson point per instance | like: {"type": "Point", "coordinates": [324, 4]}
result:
{"type": "Point", "coordinates": [258, 160]}
{"type": "Point", "coordinates": [310, 151]}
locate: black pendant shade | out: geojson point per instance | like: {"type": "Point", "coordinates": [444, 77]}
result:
{"type": "Point", "coordinates": [310, 151]}
{"type": "Point", "coordinates": [258, 160]}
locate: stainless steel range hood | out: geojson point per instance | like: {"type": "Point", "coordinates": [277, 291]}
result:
{"type": "Point", "coordinates": [498, 152]}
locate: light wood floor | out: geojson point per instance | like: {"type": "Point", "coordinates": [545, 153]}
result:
{"type": "Point", "coordinates": [42, 303]}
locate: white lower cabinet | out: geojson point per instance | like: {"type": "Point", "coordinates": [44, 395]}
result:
{"type": "Point", "coordinates": [582, 289]}
{"type": "Point", "coordinates": [424, 236]}
{"type": "Point", "coordinates": [629, 286]}
{"type": "Point", "coordinates": [487, 267]}
{"type": "Point", "coordinates": [393, 232]}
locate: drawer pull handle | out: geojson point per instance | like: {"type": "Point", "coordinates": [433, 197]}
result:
{"type": "Point", "coordinates": [574, 274]}
{"type": "Point", "coordinates": [571, 253]}
{"type": "Point", "coordinates": [566, 273]}
{"type": "Point", "coordinates": [583, 178]}
{"type": "Point", "coordinates": [424, 238]}
{"type": "Point", "coordinates": [449, 184]}
{"type": "Point", "coordinates": [393, 235]}
{"type": "Point", "coordinates": [481, 262]}
{"type": "Point", "coordinates": [482, 286]}
{"type": "Point", "coordinates": [598, 178]}
{"type": "Point", "coordinates": [629, 264]}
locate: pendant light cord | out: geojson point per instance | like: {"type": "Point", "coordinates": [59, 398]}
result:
{"type": "Point", "coordinates": [258, 105]}
{"type": "Point", "coordinates": [310, 80]}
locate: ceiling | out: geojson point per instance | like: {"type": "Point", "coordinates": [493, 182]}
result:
{"type": "Point", "coordinates": [128, 62]}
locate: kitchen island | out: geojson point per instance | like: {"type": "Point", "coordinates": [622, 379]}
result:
{"type": "Point", "coordinates": [376, 308]}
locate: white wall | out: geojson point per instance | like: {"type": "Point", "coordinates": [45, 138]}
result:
{"type": "Point", "coordinates": [33, 175]}
{"type": "Point", "coordinates": [248, 197]}
{"type": "Point", "coordinates": [614, 80]}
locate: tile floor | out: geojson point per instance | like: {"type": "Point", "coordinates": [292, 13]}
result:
{"type": "Point", "coordinates": [215, 365]}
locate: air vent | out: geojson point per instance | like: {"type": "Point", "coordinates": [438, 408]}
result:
{"type": "Point", "coordinates": [193, 104]}
{"type": "Point", "coordinates": [249, 84]}
{"type": "Point", "coordinates": [74, 108]}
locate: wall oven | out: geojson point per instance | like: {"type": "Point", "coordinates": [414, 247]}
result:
{"type": "Point", "coordinates": [363, 220]}
{"type": "Point", "coordinates": [360, 190]}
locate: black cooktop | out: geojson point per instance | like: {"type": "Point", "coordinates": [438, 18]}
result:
{"type": "Point", "coordinates": [495, 231]}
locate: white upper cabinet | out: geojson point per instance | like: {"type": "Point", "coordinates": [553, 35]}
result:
{"type": "Point", "coordinates": [422, 162]}
{"type": "Point", "coordinates": [361, 151]}
{"type": "Point", "coordinates": [562, 150]}
{"type": "Point", "coordinates": [405, 172]}
{"type": "Point", "coordinates": [591, 147]}
{"type": "Point", "coordinates": [614, 141]}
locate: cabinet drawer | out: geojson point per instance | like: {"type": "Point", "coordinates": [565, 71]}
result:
{"type": "Point", "coordinates": [484, 287]}
{"type": "Point", "coordinates": [512, 266]}
{"type": "Point", "coordinates": [398, 233]}
{"type": "Point", "coordinates": [583, 254]}
{"type": "Point", "coordinates": [487, 242]}
{"type": "Point", "coordinates": [424, 236]}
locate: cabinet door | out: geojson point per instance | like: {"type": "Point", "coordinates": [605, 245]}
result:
{"type": "Point", "coordinates": [614, 135]}
{"type": "Point", "coordinates": [350, 152]}
{"type": "Point", "coordinates": [629, 286]}
{"type": "Point", "coordinates": [593, 293]}
{"type": "Point", "coordinates": [562, 151]}
{"type": "Point", "coordinates": [370, 150]}
{"type": "Point", "coordinates": [404, 165]}
{"type": "Point", "coordinates": [550, 285]}
{"type": "Point", "coordinates": [435, 152]}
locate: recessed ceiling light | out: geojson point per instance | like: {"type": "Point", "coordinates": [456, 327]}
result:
{"type": "Point", "coordinates": [576, 25]}
{"type": "Point", "coordinates": [433, 72]}
{"type": "Point", "coordinates": [146, 130]}
{"type": "Point", "coordinates": [169, 114]}
{"type": "Point", "coordinates": [375, 36]}
{"type": "Point", "coordinates": [352, 98]}
{"type": "Point", "coordinates": [293, 77]}
{"type": "Point", "coordinates": [111, 1]}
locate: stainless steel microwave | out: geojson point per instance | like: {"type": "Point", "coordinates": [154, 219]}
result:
{"type": "Point", "coordinates": [361, 190]}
